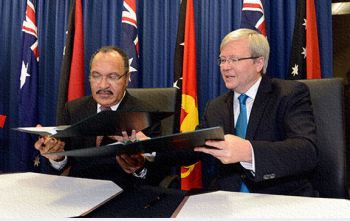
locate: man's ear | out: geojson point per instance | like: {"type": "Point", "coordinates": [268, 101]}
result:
{"type": "Point", "coordinates": [128, 76]}
{"type": "Point", "coordinates": [259, 62]}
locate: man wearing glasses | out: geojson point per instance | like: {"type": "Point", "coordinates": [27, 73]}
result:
{"type": "Point", "coordinates": [270, 141]}
{"type": "Point", "coordinates": [109, 77]}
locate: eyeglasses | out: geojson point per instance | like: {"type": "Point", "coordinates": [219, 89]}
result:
{"type": "Point", "coordinates": [233, 60]}
{"type": "Point", "coordinates": [96, 77]}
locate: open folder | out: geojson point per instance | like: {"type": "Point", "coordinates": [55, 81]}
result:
{"type": "Point", "coordinates": [187, 140]}
{"type": "Point", "coordinates": [103, 123]}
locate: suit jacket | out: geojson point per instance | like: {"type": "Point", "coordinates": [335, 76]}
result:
{"type": "Point", "coordinates": [282, 132]}
{"type": "Point", "coordinates": [102, 168]}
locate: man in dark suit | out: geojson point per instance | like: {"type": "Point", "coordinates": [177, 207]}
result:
{"type": "Point", "coordinates": [109, 77]}
{"type": "Point", "coordinates": [276, 152]}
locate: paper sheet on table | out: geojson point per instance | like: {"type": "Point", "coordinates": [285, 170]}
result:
{"type": "Point", "coordinates": [231, 205]}
{"type": "Point", "coordinates": [34, 195]}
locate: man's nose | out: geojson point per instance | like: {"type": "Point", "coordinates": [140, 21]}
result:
{"type": "Point", "coordinates": [104, 81]}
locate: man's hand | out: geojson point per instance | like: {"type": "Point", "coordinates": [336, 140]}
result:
{"type": "Point", "coordinates": [131, 163]}
{"type": "Point", "coordinates": [133, 137]}
{"type": "Point", "coordinates": [49, 144]}
{"type": "Point", "coordinates": [232, 149]}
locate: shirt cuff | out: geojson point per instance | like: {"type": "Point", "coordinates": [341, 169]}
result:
{"type": "Point", "coordinates": [248, 165]}
{"type": "Point", "coordinates": [140, 174]}
{"type": "Point", "coordinates": [59, 165]}
{"type": "Point", "coordinates": [150, 156]}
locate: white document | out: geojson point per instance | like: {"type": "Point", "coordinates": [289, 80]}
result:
{"type": "Point", "coordinates": [34, 195]}
{"type": "Point", "coordinates": [222, 204]}
{"type": "Point", "coordinates": [42, 130]}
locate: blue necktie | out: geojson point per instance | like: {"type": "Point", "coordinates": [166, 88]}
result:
{"type": "Point", "coordinates": [241, 127]}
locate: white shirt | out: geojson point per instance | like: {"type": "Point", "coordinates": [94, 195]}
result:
{"type": "Point", "coordinates": [251, 93]}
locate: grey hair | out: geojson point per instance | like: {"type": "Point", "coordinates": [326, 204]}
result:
{"type": "Point", "coordinates": [258, 44]}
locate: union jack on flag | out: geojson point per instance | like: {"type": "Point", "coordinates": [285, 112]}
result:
{"type": "Point", "coordinates": [253, 16]}
{"type": "Point", "coordinates": [28, 85]}
{"type": "Point", "coordinates": [129, 39]}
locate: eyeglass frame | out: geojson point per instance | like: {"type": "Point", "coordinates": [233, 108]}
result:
{"type": "Point", "coordinates": [111, 77]}
{"type": "Point", "coordinates": [232, 60]}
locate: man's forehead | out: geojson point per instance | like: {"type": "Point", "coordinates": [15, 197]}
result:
{"type": "Point", "coordinates": [234, 47]}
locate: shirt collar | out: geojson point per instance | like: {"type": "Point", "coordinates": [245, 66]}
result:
{"type": "Point", "coordinates": [114, 107]}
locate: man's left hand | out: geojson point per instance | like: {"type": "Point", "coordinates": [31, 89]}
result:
{"type": "Point", "coordinates": [232, 149]}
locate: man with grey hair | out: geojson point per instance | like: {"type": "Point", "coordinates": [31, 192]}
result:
{"type": "Point", "coordinates": [270, 141]}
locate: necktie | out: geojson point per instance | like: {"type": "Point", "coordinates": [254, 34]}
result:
{"type": "Point", "coordinates": [100, 138]}
{"type": "Point", "coordinates": [241, 127]}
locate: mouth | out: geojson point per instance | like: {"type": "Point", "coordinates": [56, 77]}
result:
{"type": "Point", "coordinates": [230, 77]}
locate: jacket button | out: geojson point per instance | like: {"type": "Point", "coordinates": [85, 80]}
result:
{"type": "Point", "coordinates": [269, 176]}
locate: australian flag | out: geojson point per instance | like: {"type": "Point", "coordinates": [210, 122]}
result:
{"type": "Point", "coordinates": [253, 16]}
{"type": "Point", "coordinates": [130, 41]}
{"type": "Point", "coordinates": [27, 91]}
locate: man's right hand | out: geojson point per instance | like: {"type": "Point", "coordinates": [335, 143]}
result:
{"type": "Point", "coordinates": [49, 144]}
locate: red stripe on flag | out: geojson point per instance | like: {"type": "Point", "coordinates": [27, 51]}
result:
{"type": "Point", "coordinates": [191, 176]}
{"type": "Point", "coordinates": [36, 52]}
{"type": "Point", "coordinates": [262, 28]}
{"type": "Point", "coordinates": [189, 82]}
{"type": "Point", "coordinates": [30, 30]}
{"type": "Point", "coordinates": [130, 20]}
{"type": "Point", "coordinates": [30, 13]}
{"type": "Point", "coordinates": [252, 5]}
{"type": "Point", "coordinates": [76, 78]}
{"type": "Point", "coordinates": [313, 69]}
{"type": "Point", "coordinates": [131, 3]}
{"type": "Point", "coordinates": [2, 121]}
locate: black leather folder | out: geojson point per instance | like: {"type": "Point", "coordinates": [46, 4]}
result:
{"type": "Point", "coordinates": [177, 141]}
{"type": "Point", "coordinates": [101, 124]}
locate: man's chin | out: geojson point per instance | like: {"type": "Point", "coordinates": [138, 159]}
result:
{"type": "Point", "coordinates": [230, 85]}
{"type": "Point", "coordinates": [104, 102]}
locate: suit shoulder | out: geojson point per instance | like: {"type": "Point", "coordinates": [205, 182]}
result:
{"type": "Point", "coordinates": [224, 98]}
{"type": "Point", "coordinates": [82, 102]}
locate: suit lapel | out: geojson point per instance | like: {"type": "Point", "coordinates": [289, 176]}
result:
{"type": "Point", "coordinates": [91, 109]}
{"type": "Point", "coordinates": [229, 125]}
{"type": "Point", "coordinates": [261, 100]}
{"type": "Point", "coordinates": [127, 103]}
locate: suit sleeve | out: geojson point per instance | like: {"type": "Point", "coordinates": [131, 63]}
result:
{"type": "Point", "coordinates": [296, 152]}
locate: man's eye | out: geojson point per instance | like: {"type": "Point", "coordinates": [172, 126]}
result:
{"type": "Point", "coordinates": [96, 76]}
{"type": "Point", "coordinates": [113, 76]}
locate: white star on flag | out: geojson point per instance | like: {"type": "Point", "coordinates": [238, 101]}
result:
{"type": "Point", "coordinates": [295, 70]}
{"type": "Point", "coordinates": [131, 68]}
{"type": "Point", "coordinates": [175, 83]}
{"type": "Point", "coordinates": [304, 52]}
{"type": "Point", "coordinates": [24, 74]}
